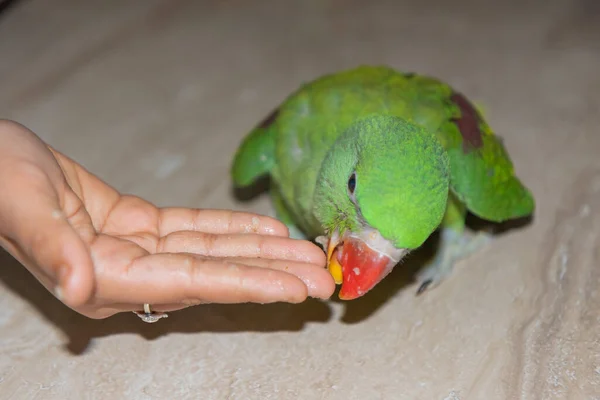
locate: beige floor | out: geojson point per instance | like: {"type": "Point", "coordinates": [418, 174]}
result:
{"type": "Point", "coordinates": [153, 95]}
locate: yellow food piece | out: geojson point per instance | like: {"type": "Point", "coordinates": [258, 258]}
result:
{"type": "Point", "coordinates": [335, 269]}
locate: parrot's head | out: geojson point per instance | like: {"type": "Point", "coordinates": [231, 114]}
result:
{"type": "Point", "coordinates": [381, 192]}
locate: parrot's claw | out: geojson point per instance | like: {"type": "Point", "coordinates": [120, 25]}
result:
{"type": "Point", "coordinates": [454, 246]}
{"type": "Point", "coordinates": [423, 286]}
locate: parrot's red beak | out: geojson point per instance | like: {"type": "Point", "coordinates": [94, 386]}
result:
{"type": "Point", "coordinates": [362, 268]}
{"type": "Point", "coordinates": [357, 266]}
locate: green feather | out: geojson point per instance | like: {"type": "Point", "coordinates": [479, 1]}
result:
{"type": "Point", "coordinates": [312, 121]}
{"type": "Point", "coordinates": [255, 156]}
{"type": "Point", "coordinates": [402, 179]}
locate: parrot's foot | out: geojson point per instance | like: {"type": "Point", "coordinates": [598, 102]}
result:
{"type": "Point", "coordinates": [454, 246]}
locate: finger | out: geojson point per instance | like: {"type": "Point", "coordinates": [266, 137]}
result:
{"type": "Point", "coordinates": [218, 222]}
{"type": "Point", "coordinates": [242, 245]}
{"type": "Point", "coordinates": [43, 238]}
{"type": "Point", "coordinates": [177, 278]}
{"type": "Point", "coordinates": [317, 279]}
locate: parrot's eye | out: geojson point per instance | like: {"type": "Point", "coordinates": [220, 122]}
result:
{"type": "Point", "coordinates": [352, 183]}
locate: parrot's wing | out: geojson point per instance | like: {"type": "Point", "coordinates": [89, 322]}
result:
{"type": "Point", "coordinates": [482, 173]}
{"type": "Point", "coordinates": [255, 156]}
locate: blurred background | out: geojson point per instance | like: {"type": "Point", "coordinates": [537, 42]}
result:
{"type": "Point", "coordinates": [154, 97]}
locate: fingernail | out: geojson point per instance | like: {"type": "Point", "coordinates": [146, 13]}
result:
{"type": "Point", "coordinates": [61, 276]}
{"type": "Point", "coordinates": [58, 293]}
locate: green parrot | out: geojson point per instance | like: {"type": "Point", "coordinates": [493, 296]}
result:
{"type": "Point", "coordinates": [370, 161]}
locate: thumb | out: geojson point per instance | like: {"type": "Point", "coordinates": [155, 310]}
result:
{"type": "Point", "coordinates": [39, 235]}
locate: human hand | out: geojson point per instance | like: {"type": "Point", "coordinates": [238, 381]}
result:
{"type": "Point", "coordinates": [103, 253]}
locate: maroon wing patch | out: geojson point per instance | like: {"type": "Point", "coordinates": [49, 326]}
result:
{"type": "Point", "coordinates": [467, 123]}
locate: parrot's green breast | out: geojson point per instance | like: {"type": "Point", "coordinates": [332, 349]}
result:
{"type": "Point", "coordinates": [292, 143]}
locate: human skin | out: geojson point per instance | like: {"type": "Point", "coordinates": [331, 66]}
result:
{"type": "Point", "coordinates": [102, 252]}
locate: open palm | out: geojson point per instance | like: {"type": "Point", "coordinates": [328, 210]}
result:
{"type": "Point", "coordinates": [103, 253]}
